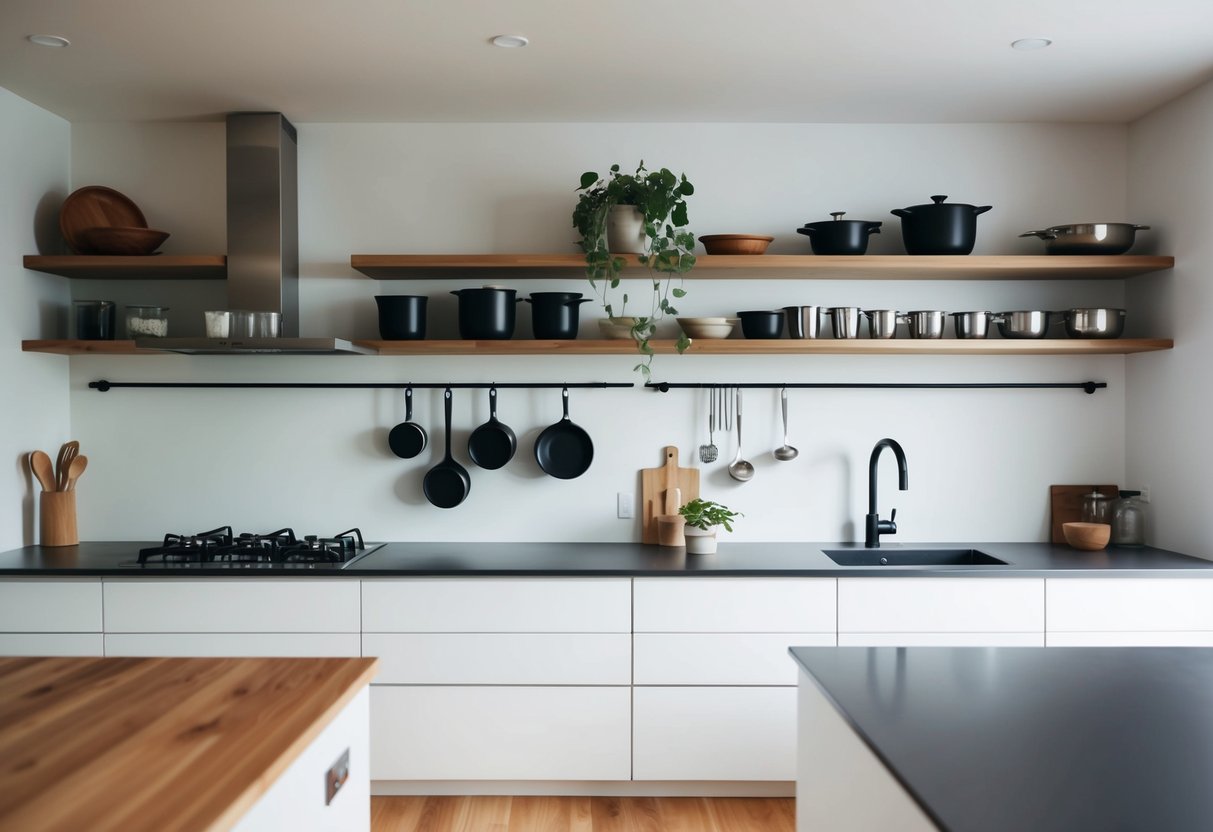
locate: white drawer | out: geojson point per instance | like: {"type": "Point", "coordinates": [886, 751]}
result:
{"type": "Point", "coordinates": [735, 605]}
{"type": "Point", "coordinates": [62, 605]}
{"type": "Point", "coordinates": [1130, 639]}
{"type": "Point", "coordinates": [940, 605]}
{"type": "Point", "coordinates": [231, 606]}
{"type": "Point", "coordinates": [497, 605]}
{"type": "Point", "coordinates": [720, 658]}
{"type": "Point", "coordinates": [1036, 639]}
{"type": "Point", "coordinates": [51, 644]}
{"type": "Point", "coordinates": [507, 733]}
{"type": "Point", "coordinates": [501, 658]}
{"type": "Point", "coordinates": [288, 645]}
{"type": "Point", "coordinates": [1137, 604]}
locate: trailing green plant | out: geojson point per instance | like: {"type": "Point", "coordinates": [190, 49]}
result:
{"type": "Point", "coordinates": [704, 514]}
{"type": "Point", "coordinates": [659, 195]}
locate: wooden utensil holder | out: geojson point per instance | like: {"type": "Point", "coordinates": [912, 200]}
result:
{"type": "Point", "coordinates": [670, 530]}
{"type": "Point", "coordinates": [58, 518]}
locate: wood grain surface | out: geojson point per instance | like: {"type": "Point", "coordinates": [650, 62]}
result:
{"type": "Point", "coordinates": [157, 744]}
{"type": "Point", "coordinates": [128, 267]}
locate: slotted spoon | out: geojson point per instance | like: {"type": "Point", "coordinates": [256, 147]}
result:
{"type": "Point", "coordinates": [709, 452]}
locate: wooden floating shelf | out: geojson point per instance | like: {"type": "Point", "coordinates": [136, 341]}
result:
{"type": "Point", "coordinates": [773, 266]}
{"type": "Point", "coordinates": [152, 267]}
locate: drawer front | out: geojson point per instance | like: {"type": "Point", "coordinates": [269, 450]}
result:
{"type": "Point", "coordinates": [940, 605]}
{"type": "Point", "coordinates": [720, 658]}
{"type": "Point", "coordinates": [287, 645]}
{"type": "Point", "coordinates": [51, 644]}
{"type": "Point", "coordinates": [500, 733]}
{"type": "Point", "coordinates": [941, 639]}
{"type": "Point", "coordinates": [1131, 604]}
{"type": "Point", "coordinates": [501, 658]}
{"type": "Point", "coordinates": [231, 606]}
{"type": "Point", "coordinates": [492, 605]}
{"type": "Point", "coordinates": [735, 605]}
{"type": "Point", "coordinates": [714, 733]}
{"type": "Point", "coordinates": [66, 605]}
{"type": "Point", "coordinates": [1130, 639]}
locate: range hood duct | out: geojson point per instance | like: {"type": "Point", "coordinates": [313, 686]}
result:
{"type": "Point", "coordinates": [262, 240]}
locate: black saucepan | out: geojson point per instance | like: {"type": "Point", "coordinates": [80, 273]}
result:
{"type": "Point", "coordinates": [564, 450]}
{"type": "Point", "coordinates": [408, 438]}
{"type": "Point", "coordinates": [492, 444]}
{"type": "Point", "coordinates": [447, 484]}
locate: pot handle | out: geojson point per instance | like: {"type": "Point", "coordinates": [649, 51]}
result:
{"type": "Point", "coordinates": [981, 209]}
{"type": "Point", "coordinates": [900, 212]}
{"type": "Point", "coordinates": [874, 227]}
{"type": "Point", "coordinates": [1141, 228]}
{"type": "Point", "coordinates": [1044, 235]}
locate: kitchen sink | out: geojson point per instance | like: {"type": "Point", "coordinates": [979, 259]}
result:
{"type": "Point", "coordinates": [912, 557]}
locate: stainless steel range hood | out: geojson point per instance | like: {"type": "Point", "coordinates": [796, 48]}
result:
{"type": "Point", "coordinates": [262, 240]}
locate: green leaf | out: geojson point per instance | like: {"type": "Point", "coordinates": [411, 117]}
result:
{"type": "Point", "coordinates": [678, 293]}
{"type": "Point", "coordinates": [587, 179]}
{"type": "Point", "coordinates": [680, 214]}
{"type": "Point", "coordinates": [615, 285]}
{"type": "Point", "coordinates": [683, 344]}
{"type": "Point", "coordinates": [614, 168]}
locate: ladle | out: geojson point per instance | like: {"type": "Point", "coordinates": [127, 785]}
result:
{"type": "Point", "coordinates": [740, 470]}
{"type": "Point", "coordinates": [787, 452]}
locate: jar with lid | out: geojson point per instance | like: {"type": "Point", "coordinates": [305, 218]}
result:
{"type": "Point", "coordinates": [94, 319]}
{"type": "Point", "coordinates": [1095, 507]}
{"type": "Point", "coordinates": [146, 321]}
{"type": "Point", "coordinates": [1129, 520]}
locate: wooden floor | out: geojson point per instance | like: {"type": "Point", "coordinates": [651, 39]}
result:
{"type": "Point", "coordinates": [583, 814]}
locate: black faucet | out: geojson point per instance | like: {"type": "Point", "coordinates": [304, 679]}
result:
{"type": "Point", "coordinates": [873, 525]}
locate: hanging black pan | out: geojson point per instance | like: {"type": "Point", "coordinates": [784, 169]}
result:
{"type": "Point", "coordinates": [492, 444]}
{"type": "Point", "coordinates": [447, 484]}
{"type": "Point", "coordinates": [408, 438]}
{"type": "Point", "coordinates": [564, 450]}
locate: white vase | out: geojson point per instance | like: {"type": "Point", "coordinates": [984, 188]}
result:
{"type": "Point", "coordinates": [700, 542]}
{"type": "Point", "coordinates": [625, 230]}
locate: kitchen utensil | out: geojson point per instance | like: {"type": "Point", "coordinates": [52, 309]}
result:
{"type": "Point", "coordinates": [926, 323]}
{"type": "Point", "coordinates": [1065, 506]}
{"type": "Point", "coordinates": [401, 317]}
{"type": "Point", "coordinates": [122, 241]}
{"type": "Point", "coordinates": [243, 324]}
{"type": "Point", "coordinates": [94, 319]}
{"type": "Point", "coordinates": [1090, 537]}
{"type": "Point", "coordinates": [786, 453]}
{"type": "Point", "coordinates": [803, 321]}
{"type": "Point", "coordinates": [707, 327]}
{"type": "Point", "coordinates": [660, 487]}
{"type": "Point", "coordinates": [763, 323]}
{"type": "Point", "coordinates": [616, 329]}
{"type": "Point", "coordinates": [492, 444]}
{"type": "Point", "coordinates": [1094, 323]}
{"type": "Point", "coordinates": [67, 452]}
{"type": "Point", "coordinates": [882, 323]}
{"type": "Point", "coordinates": [146, 321]}
{"type": "Point", "coordinates": [1024, 324]}
{"type": "Point", "coordinates": [735, 243]}
{"type": "Point", "coordinates": [74, 472]}
{"type": "Point", "coordinates": [407, 439]}
{"type": "Point", "coordinates": [845, 321]}
{"type": "Point", "coordinates": [487, 313]}
{"type": "Point", "coordinates": [1088, 237]}
{"type": "Point", "coordinates": [709, 452]}
{"type": "Point", "coordinates": [93, 207]}
{"type": "Point", "coordinates": [564, 450]}
{"type": "Point", "coordinates": [939, 228]}
{"type": "Point", "coordinates": [43, 470]}
{"type": "Point", "coordinates": [740, 470]}
{"type": "Point", "coordinates": [447, 484]}
{"type": "Point", "coordinates": [839, 236]}
{"type": "Point", "coordinates": [218, 323]}
{"type": "Point", "coordinates": [267, 324]}
{"type": "Point", "coordinates": [554, 314]}
{"type": "Point", "coordinates": [670, 530]}
{"type": "Point", "coordinates": [57, 521]}
{"type": "Point", "coordinates": [971, 324]}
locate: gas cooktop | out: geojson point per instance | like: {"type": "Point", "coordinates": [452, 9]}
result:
{"type": "Point", "coordinates": [221, 548]}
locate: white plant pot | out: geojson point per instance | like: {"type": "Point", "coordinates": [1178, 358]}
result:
{"type": "Point", "coordinates": [625, 230]}
{"type": "Point", "coordinates": [700, 542]}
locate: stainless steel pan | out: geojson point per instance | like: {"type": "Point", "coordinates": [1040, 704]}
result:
{"type": "Point", "coordinates": [1088, 237]}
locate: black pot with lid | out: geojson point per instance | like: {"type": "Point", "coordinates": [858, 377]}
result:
{"type": "Point", "coordinates": [939, 227]}
{"type": "Point", "coordinates": [487, 313]}
{"type": "Point", "coordinates": [554, 315]}
{"type": "Point", "coordinates": [839, 236]}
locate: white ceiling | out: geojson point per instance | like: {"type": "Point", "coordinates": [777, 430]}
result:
{"type": "Point", "coordinates": [607, 60]}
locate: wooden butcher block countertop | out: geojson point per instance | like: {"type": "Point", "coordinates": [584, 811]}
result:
{"type": "Point", "coordinates": [157, 744]}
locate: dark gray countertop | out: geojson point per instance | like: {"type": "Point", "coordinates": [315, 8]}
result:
{"type": "Point", "coordinates": [628, 559]}
{"type": "Point", "coordinates": [1019, 738]}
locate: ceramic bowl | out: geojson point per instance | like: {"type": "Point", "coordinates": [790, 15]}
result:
{"type": "Point", "coordinates": [1088, 536]}
{"type": "Point", "coordinates": [707, 327]}
{"type": "Point", "coordinates": [619, 329]}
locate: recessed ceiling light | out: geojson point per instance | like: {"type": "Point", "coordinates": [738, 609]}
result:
{"type": "Point", "coordinates": [1030, 43]}
{"type": "Point", "coordinates": [49, 40]}
{"type": "Point", "coordinates": [510, 41]}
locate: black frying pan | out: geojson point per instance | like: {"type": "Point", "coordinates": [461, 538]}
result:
{"type": "Point", "coordinates": [492, 444]}
{"type": "Point", "coordinates": [447, 484]}
{"type": "Point", "coordinates": [408, 438]}
{"type": "Point", "coordinates": [564, 450]}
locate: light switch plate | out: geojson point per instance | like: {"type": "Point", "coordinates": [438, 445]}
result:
{"type": "Point", "coordinates": [626, 505]}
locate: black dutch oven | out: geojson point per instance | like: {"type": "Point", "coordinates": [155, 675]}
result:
{"type": "Point", "coordinates": [401, 317]}
{"type": "Point", "coordinates": [839, 236]}
{"type": "Point", "coordinates": [486, 314]}
{"type": "Point", "coordinates": [554, 314]}
{"type": "Point", "coordinates": [938, 228]}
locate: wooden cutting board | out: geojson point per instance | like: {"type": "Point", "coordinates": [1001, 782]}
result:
{"type": "Point", "coordinates": [1065, 504]}
{"type": "Point", "coordinates": [657, 491]}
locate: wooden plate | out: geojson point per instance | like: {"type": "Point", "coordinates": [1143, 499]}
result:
{"type": "Point", "coordinates": [93, 207]}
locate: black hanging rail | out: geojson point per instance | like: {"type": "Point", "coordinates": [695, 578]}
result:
{"type": "Point", "coordinates": [1085, 386]}
{"type": "Point", "coordinates": [103, 385]}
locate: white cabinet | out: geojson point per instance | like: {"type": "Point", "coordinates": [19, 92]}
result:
{"type": "Point", "coordinates": [289, 645]}
{"type": "Point", "coordinates": [50, 617]}
{"type": "Point", "coordinates": [51, 644]}
{"type": "Point", "coordinates": [719, 658]}
{"type": "Point", "coordinates": [231, 605]}
{"type": "Point", "coordinates": [1156, 612]}
{"type": "Point", "coordinates": [735, 605]}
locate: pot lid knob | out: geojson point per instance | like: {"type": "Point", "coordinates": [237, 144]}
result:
{"type": "Point", "coordinates": [938, 199]}
{"type": "Point", "coordinates": [837, 215]}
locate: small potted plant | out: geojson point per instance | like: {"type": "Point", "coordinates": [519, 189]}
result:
{"type": "Point", "coordinates": [644, 214]}
{"type": "Point", "coordinates": [702, 518]}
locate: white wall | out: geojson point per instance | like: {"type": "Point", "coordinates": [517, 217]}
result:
{"type": "Point", "coordinates": [980, 461]}
{"type": "Point", "coordinates": [33, 182]}
{"type": "Point", "coordinates": [1167, 419]}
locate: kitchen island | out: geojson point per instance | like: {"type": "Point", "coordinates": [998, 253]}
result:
{"type": "Point", "coordinates": [1005, 739]}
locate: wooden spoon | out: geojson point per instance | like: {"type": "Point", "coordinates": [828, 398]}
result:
{"type": "Point", "coordinates": [74, 471]}
{"type": "Point", "coordinates": [44, 472]}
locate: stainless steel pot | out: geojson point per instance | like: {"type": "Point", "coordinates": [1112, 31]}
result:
{"type": "Point", "coordinates": [1088, 237]}
{"type": "Point", "coordinates": [803, 321]}
{"type": "Point", "coordinates": [1094, 322]}
{"type": "Point", "coordinates": [971, 324]}
{"type": "Point", "coordinates": [882, 323]}
{"type": "Point", "coordinates": [926, 323]}
{"type": "Point", "coordinates": [845, 320]}
{"type": "Point", "coordinates": [1024, 324]}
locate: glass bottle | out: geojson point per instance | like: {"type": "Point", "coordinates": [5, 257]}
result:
{"type": "Point", "coordinates": [1095, 507]}
{"type": "Point", "coordinates": [1129, 520]}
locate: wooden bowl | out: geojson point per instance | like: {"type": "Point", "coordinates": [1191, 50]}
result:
{"type": "Point", "coordinates": [117, 240]}
{"type": "Point", "coordinates": [735, 243]}
{"type": "Point", "coordinates": [94, 206]}
{"type": "Point", "coordinates": [1090, 537]}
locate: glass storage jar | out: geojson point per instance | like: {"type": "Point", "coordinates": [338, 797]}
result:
{"type": "Point", "coordinates": [146, 321]}
{"type": "Point", "coordinates": [1095, 507]}
{"type": "Point", "coordinates": [94, 319]}
{"type": "Point", "coordinates": [1129, 520]}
